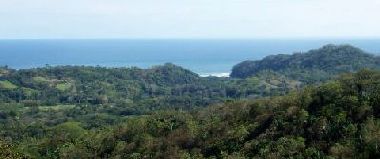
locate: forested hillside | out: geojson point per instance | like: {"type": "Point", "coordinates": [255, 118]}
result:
{"type": "Point", "coordinates": [312, 66]}
{"type": "Point", "coordinates": [339, 119]}
{"type": "Point", "coordinates": [139, 90]}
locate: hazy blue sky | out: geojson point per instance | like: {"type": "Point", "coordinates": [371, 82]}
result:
{"type": "Point", "coordinates": [189, 18]}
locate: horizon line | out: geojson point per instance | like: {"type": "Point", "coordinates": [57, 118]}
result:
{"type": "Point", "coordinates": [200, 38]}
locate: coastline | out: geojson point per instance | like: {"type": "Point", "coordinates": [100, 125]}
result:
{"type": "Point", "coordinates": [215, 74]}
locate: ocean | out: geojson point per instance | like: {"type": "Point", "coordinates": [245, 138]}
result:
{"type": "Point", "coordinates": [205, 57]}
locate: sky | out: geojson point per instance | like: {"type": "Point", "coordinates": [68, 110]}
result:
{"type": "Point", "coordinates": [130, 19]}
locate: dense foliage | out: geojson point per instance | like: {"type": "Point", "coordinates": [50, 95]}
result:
{"type": "Point", "coordinates": [314, 65]}
{"type": "Point", "coordinates": [140, 90]}
{"type": "Point", "coordinates": [339, 119]}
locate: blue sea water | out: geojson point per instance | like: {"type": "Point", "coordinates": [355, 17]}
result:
{"type": "Point", "coordinates": [205, 57]}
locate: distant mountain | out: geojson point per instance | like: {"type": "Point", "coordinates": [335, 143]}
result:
{"type": "Point", "coordinates": [314, 65]}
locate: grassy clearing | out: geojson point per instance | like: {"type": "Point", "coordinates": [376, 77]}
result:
{"type": "Point", "coordinates": [63, 86]}
{"type": "Point", "coordinates": [28, 91]}
{"type": "Point", "coordinates": [7, 85]}
{"type": "Point", "coordinates": [40, 79]}
{"type": "Point", "coordinates": [56, 107]}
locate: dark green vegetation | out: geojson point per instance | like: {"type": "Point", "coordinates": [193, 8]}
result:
{"type": "Point", "coordinates": [135, 90]}
{"type": "Point", "coordinates": [312, 66]}
{"type": "Point", "coordinates": [95, 112]}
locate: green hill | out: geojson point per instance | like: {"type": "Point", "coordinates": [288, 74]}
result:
{"type": "Point", "coordinates": [314, 65]}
